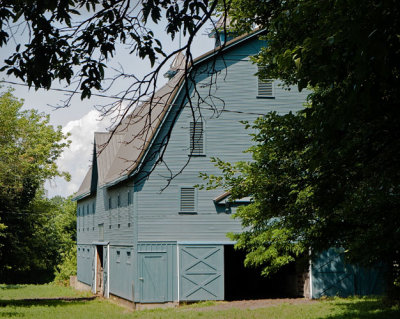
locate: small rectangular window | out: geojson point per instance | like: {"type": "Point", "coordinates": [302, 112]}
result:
{"type": "Point", "coordinates": [109, 203]}
{"type": "Point", "coordinates": [129, 198]}
{"type": "Point", "coordinates": [188, 200]}
{"type": "Point", "coordinates": [101, 232]}
{"type": "Point", "coordinates": [128, 257]}
{"type": "Point", "coordinates": [196, 137]}
{"type": "Point", "coordinates": [265, 87]}
{"type": "Point", "coordinates": [119, 225]}
{"type": "Point", "coordinates": [129, 225]}
{"type": "Point", "coordinates": [118, 259]}
{"type": "Point", "coordinates": [119, 201]}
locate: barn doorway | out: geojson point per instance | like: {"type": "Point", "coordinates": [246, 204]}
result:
{"type": "Point", "coordinates": [247, 283]}
{"type": "Point", "coordinates": [99, 270]}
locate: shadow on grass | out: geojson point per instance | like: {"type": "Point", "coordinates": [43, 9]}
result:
{"type": "Point", "coordinates": [11, 314]}
{"type": "Point", "coordinates": [4, 287]}
{"type": "Point", "coordinates": [365, 309]}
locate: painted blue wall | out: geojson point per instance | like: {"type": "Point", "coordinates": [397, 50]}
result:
{"type": "Point", "coordinates": [117, 221]}
{"type": "Point", "coordinates": [118, 231]}
{"type": "Point", "coordinates": [225, 138]}
{"type": "Point", "coordinates": [332, 276]}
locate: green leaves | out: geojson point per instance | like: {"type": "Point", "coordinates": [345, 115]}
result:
{"type": "Point", "coordinates": [58, 48]}
{"type": "Point", "coordinates": [29, 231]}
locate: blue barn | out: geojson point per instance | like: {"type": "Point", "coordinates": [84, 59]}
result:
{"type": "Point", "coordinates": [147, 246]}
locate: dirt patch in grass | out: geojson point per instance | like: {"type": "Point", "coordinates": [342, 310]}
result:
{"type": "Point", "coordinates": [252, 304]}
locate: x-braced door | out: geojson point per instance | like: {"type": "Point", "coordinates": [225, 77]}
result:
{"type": "Point", "coordinates": [201, 275]}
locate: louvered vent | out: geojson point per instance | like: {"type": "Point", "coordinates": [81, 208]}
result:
{"type": "Point", "coordinates": [188, 200]}
{"type": "Point", "coordinates": [265, 88]}
{"type": "Point", "coordinates": [196, 138]}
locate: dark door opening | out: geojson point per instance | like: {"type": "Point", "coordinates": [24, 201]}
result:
{"type": "Point", "coordinates": [99, 271]}
{"type": "Point", "coordinates": [247, 283]}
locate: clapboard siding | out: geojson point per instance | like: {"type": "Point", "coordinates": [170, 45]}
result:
{"type": "Point", "coordinates": [122, 215]}
{"type": "Point", "coordinates": [225, 138]}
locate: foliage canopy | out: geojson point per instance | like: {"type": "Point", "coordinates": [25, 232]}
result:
{"type": "Point", "coordinates": [33, 227]}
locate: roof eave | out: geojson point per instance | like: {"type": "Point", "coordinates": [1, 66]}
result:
{"type": "Point", "coordinates": [81, 196]}
{"type": "Point", "coordinates": [135, 169]}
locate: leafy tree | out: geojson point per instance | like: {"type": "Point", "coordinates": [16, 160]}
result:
{"type": "Point", "coordinates": [29, 148]}
{"type": "Point", "coordinates": [70, 37]}
{"type": "Point", "coordinates": [329, 175]}
{"type": "Point", "coordinates": [65, 219]}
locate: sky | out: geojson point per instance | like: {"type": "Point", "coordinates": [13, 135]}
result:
{"type": "Point", "coordinates": [81, 119]}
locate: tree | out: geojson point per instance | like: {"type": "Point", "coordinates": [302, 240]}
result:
{"type": "Point", "coordinates": [29, 148]}
{"type": "Point", "coordinates": [65, 219]}
{"type": "Point", "coordinates": [60, 45]}
{"type": "Point", "coordinates": [329, 175]}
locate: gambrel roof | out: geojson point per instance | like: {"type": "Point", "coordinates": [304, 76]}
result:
{"type": "Point", "coordinates": [119, 154]}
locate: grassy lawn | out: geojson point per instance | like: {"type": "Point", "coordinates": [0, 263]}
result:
{"type": "Point", "coordinates": [11, 307]}
{"type": "Point", "coordinates": [8, 292]}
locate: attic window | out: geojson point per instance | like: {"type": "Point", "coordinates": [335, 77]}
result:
{"type": "Point", "coordinates": [265, 87]}
{"type": "Point", "coordinates": [188, 200]}
{"type": "Point", "coordinates": [129, 198]}
{"type": "Point", "coordinates": [196, 138]}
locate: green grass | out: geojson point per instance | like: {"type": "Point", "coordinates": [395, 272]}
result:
{"type": "Point", "coordinates": [337, 308]}
{"type": "Point", "coordinates": [8, 292]}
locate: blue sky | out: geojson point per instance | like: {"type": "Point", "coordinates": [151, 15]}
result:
{"type": "Point", "coordinates": [81, 119]}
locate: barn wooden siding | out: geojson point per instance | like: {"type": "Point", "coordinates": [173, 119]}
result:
{"type": "Point", "coordinates": [225, 138]}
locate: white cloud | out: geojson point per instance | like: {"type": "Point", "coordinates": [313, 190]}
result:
{"type": "Point", "coordinates": [77, 158]}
